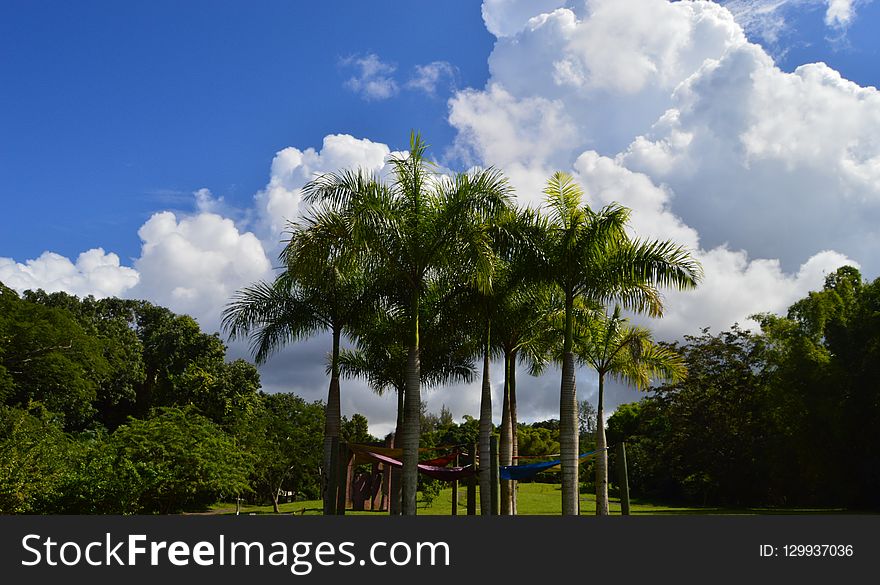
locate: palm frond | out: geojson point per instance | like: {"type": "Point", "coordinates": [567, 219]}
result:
{"type": "Point", "coordinates": [563, 198]}
{"type": "Point", "coordinates": [614, 347]}
{"type": "Point", "coordinates": [271, 315]}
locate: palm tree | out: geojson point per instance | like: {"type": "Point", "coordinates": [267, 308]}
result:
{"type": "Point", "coordinates": [611, 346]}
{"type": "Point", "coordinates": [380, 355]}
{"type": "Point", "coordinates": [484, 305]}
{"type": "Point", "coordinates": [589, 256]}
{"type": "Point", "coordinates": [320, 289]}
{"type": "Point", "coordinates": [519, 332]}
{"type": "Point", "coordinates": [417, 228]}
{"type": "Point", "coordinates": [522, 334]}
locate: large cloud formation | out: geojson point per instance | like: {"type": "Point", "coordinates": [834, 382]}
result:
{"type": "Point", "coordinates": [668, 108]}
{"type": "Point", "coordinates": [194, 264]}
{"type": "Point", "coordinates": [280, 201]}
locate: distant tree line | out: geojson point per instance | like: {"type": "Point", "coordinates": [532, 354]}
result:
{"type": "Point", "coordinates": [786, 416]}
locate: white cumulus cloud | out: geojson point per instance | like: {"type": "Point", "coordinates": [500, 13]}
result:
{"type": "Point", "coordinates": [95, 272]}
{"type": "Point", "coordinates": [194, 264]}
{"type": "Point", "coordinates": [770, 178]}
{"type": "Point", "coordinates": [736, 287]}
{"type": "Point", "coordinates": [507, 17]}
{"type": "Point", "coordinates": [280, 201]}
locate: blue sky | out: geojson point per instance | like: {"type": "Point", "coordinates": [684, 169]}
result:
{"type": "Point", "coordinates": [154, 149]}
{"type": "Point", "coordinates": [807, 40]}
{"type": "Point", "coordinates": [108, 110]}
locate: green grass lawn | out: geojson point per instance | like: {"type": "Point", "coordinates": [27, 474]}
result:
{"type": "Point", "coordinates": [533, 499]}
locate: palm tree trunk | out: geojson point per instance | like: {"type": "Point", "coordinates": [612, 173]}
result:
{"type": "Point", "coordinates": [332, 418]}
{"type": "Point", "coordinates": [411, 422]}
{"type": "Point", "coordinates": [505, 450]}
{"type": "Point", "coordinates": [568, 420]}
{"type": "Point", "coordinates": [484, 471]}
{"type": "Point", "coordinates": [396, 473]}
{"type": "Point", "coordinates": [514, 451]}
{"type": "Point", "coordinates": [602, 455]}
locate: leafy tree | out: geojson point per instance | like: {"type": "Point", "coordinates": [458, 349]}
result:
{"type": "Point", "coordinates": [714, 436]}
{"type": "Point", "coordinates": [822, 361]}
{"type": "Point", "coordinates": [537, 440]}
{"type": "Point", "coordinates": [356, 429]}
{"type": "Point", "coordinates": [445, 419]}
{"type": "Point", "coordinates": [286, 446]}
{"type": "Point", "coordinates": [586, 422]}
{"type": "Point", "coordinates": [109, 323]}
{"type": "Point", "coordinates": [180, 461]}
{"type": "Point", "coordinates": [35, 456]}
{"type": "Point", "coordinates": [47, 357]}
{"type": "Point", "coordinates": [464, 434]}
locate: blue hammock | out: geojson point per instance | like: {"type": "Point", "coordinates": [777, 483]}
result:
{"type": "Point", "coordinates": [532, 469]}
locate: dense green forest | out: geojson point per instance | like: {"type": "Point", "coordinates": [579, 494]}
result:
{"type": "Point", "coordinates": [786, 416]}
{"type": "Point", "coordinates": [119, 406]}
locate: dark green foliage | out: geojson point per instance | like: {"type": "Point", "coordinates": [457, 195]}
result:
{"type": "Point", "coordinates": [586, 425]}
{"type": "Point", "coordinates": [48, 357]}
{"type": "Point", "coordinates": [703, 436]}
{"type": "Point", "coordinates": [538, 439]}
{"type": "Point", "coordinates": [356, 430]}
{"type": "Point", "coordinates": [107, 324]}
{"type": "Point", "coordinates": [464, 434]}
{"type": "Point", "coordinates": [118, 406]}
{"type": "Point", "coordinates": [789, 416]}
{"type": "Point", "coordinates": [98, 362]}
{"type": "Point", "coordinates": [177, 460]}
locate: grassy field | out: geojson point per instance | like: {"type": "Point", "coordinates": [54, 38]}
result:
{"type": "Point", "coordinates": [533, 499]}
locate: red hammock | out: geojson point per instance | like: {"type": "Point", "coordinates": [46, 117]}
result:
{"type": "Point", "coordinates": [435, 471]}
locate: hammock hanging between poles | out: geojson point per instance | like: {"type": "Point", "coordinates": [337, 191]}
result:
{"type": "Point", "coordinates": [517, 472]}
{"type": "Point", "coordinates": [435, 471]}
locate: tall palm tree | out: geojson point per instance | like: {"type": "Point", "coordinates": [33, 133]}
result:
{"type": "Point", "coordinates": [519, 332]}
{"type": "Point", "coordinates": [589, 256]}
{"type": "Point", "coordinates": [380, 355]}
{"type": "Point", "coordinates": [522, 334]}
{"type": "Point", "coordinates": [319, 289]}
{"type": "Point", "coordinates": [611, 346]}
{"type": "Point", "coordinates": [418, 227]}
{"type": "Point", "coordinates": [485, 305]}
